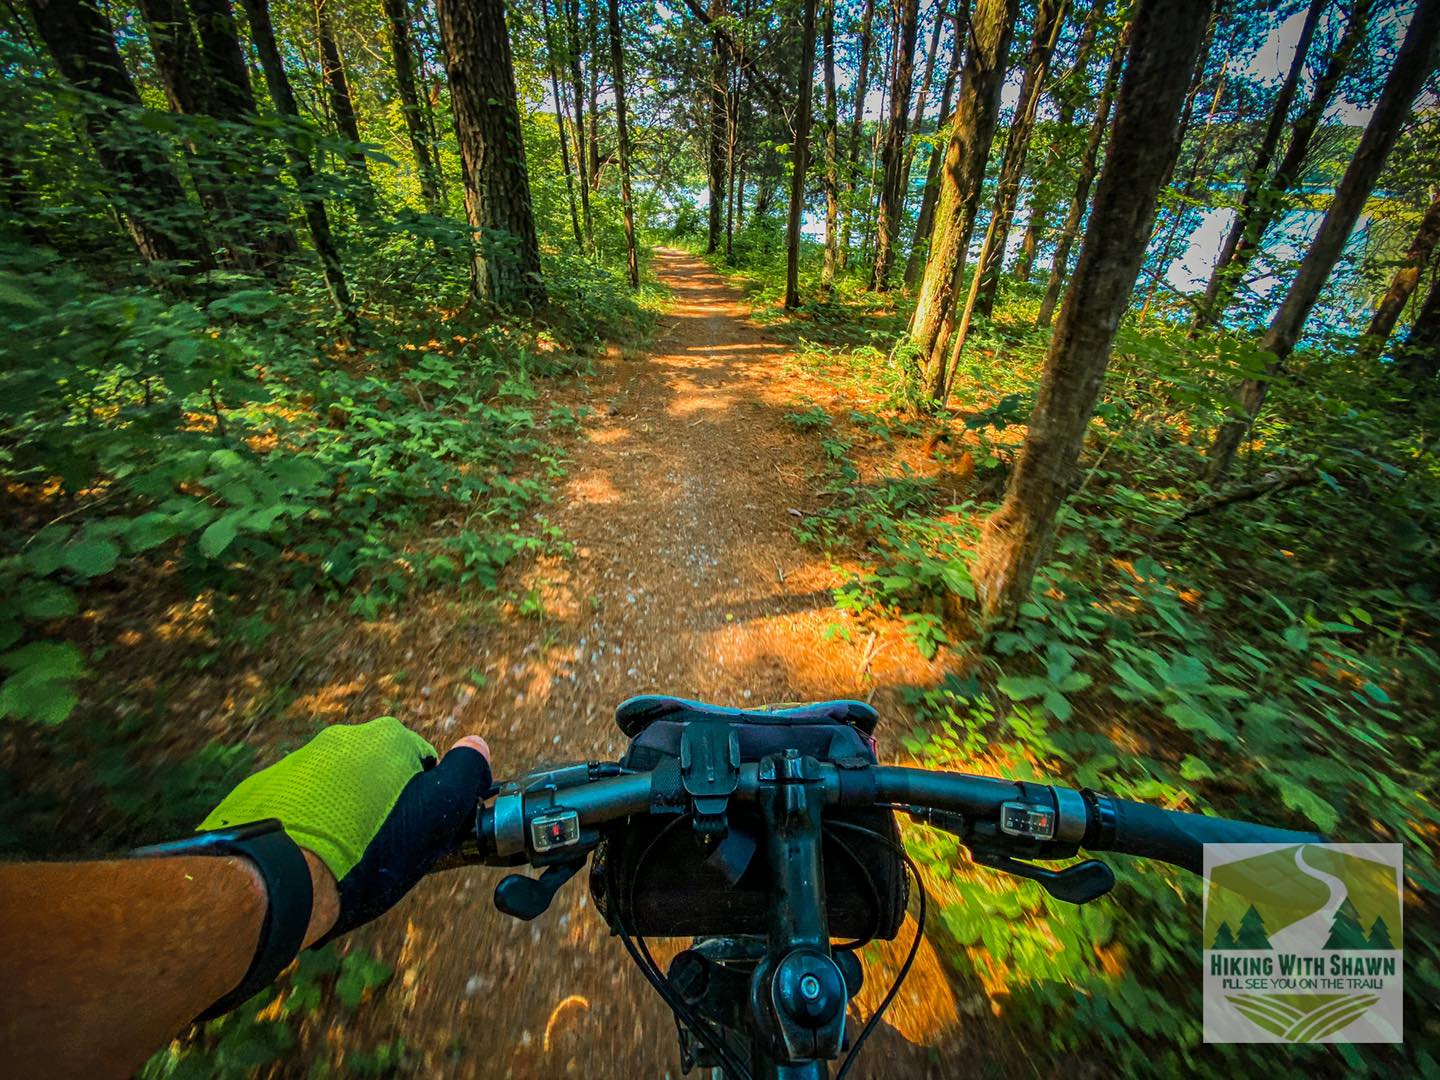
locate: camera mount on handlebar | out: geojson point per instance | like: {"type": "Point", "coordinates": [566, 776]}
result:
{"type": "Point", "coordinates": [710, 772]}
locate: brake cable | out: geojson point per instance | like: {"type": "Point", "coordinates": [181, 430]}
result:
{"type": "Point", "coordinates": [914, 870]}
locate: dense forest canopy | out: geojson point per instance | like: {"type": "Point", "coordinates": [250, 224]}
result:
{"type": "Point", "coordinates": [1128, 311]}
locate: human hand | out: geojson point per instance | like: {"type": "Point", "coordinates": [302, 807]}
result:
{"type": "Point", "coordinates": [371, 803]}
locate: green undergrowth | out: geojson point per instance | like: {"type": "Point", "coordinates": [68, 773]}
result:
{"type": "Point", "coordinates": [212, 446]}
{"type": "Point", "coordinates": [1273, 658]}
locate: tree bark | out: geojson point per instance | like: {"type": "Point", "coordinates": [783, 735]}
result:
{"type": "Point", "coordinates": [222, 59]}
{"type": "Point", "coordinates": [894, 155]}
{"type": "Point", "coordinates": [594, 73]}
{"type": "Point", "coordinates": [622, 135]}
{"type": "Point", "coordinates": [832, 154]}
{"type": "Point", "coordinates": [1413, 65]}
{"type": "Point", "coordinates": [920, 102]}
{"type": "Point", "coordinates": [577, 79]}
{"type": "Point", "coordinates": [857, 124]}
{"type": "Point", "coordinates": [257, 13]}
{"type": "Point", "coordinates": [147, 193]}
{"type": "Point", "coordinates": [397, 18]}
{"type": "Point", "coordinates": [506, 262]}
{"type": "Point", "coordinates": [1259, 208]}
{"type": "Point", "coordinates": [1418, 359]}
{"type": "Point", "coordinates": [1069, 94]}
{"type": "Point", "coordinates": [715, 171]}
{"type": "Point", "coordinates": [337, 86]}
{"type": "Point", "coordinates": [1402, 285]}
{"type": "Point", "coordinates": [1017, 537]}
{"type": "Point", "coordinates": [1049, 18]}
{"type": "Point", "coordinates": [915, 263]}
{"type": "Point", "coordinates": [798, 158]}
{"type": "Point", "coordinates": [1085, 176]}
{"type": "Point", "coordinates": [962, 176]}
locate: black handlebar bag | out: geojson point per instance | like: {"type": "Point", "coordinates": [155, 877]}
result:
{"type": "Point", "coordinates": [667, 880]}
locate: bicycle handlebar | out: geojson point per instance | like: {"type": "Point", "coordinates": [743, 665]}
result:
{"type": "Point", "coordinates": [1034, 820]}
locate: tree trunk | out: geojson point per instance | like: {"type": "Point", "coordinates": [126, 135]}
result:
{"type": "Point", "coordinates": [506, 264]}
{"type": "Point", "coordinates": [577, 79]}
{"type": "Point", "coordinates": [1259, 171]}
{"type": "Point", "coordinates": [147, 193]}
{"type": "Point", "coordinates": [925, 83]}
{"type": "Point", "coordinates": [1259, 209]}
{"type": "Point", "coordinates": [397, 17]}
{"type": "Point", "coordinates": [1085, 176]}
{"type": "Point", "coordinates": [1049, 18]}
{"type": "Point", "coordinates": [1017, 537]}
{"type": "Point", "coordinates": [622, 135]}
{"type": "Point", "coordinates": [257, 13]}
{"type": "Point", "coordinates": [1412, 67]}
{"type": "Point", "coordinates": [857, 125]}
{"type": "Point", "coordinates": [559, 121]}
{"type": "Point", "coordinates": [1419, 358]}
{"type": "Point", "coordinates": [962, 176]}
{"type": "Point", "coordinates": [1402, 285]}
{"type": "Point", "coordinates": [715, 172]}
{"type": "Point", "coordinates": [337, 86]}
{"type": "Point", "coordinates": [594, 73]}
{"type": "Point", "coordinates": [798, 159]}
{"type": "Point", "coordinates": [223, 60]}
{"type": "Point", "coordinates": [915, 263]}
{"type": "Point", "coordinates": [1069, 94]}
{"type": "Point", "coordinates": [894, 155]}
{"type": "Point", "coordinates": [832, 153]}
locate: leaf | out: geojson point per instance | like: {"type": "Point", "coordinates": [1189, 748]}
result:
{"type": "Point", "coordinates": [1296, 638]}
{"type": "Point", "coordinates": [1059, 705]}
{"type": "Point", "coordinates": [1185, 670]}
{"type": "Point", "coordinates": [220, 533]}
{"type": "Point", "coordinates": [1189, 717]}
{"type": "Point", "coordinates": [1075, 681]}
{"type": "Point", "coordinates": [1192, 768]}
{"type": "Point", "coordinates": [45, 600]}
{"type": "Point", "coordinates": [40, 686]}
{"type": "Point", "coordinates": [359, 972]}
{"type": "Point", "coordinates": [1023, 687]}
{"type": "Point", "coordinates": [149, 531]}
{"type": "Point", "coordinates": [91, 556]}
{"type": "Point", "coordinates": [1133, 678]}
{"type": "Point", "coordinates": [1302, 800]}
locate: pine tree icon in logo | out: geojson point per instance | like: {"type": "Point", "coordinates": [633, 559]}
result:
{"type": "Point", "coordinates": [1345, 929]}
{"type": "Point", "coordinates": [1252, 934]}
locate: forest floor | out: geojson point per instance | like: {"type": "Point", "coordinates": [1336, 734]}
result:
{"type": "Point", "coordinates": [679, 498]}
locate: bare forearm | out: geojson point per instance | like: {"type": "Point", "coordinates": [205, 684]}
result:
{"type": "Point", "coordinates": [106, 961]}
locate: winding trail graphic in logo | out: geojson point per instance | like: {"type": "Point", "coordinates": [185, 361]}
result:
{"type": "Point", "coordinates": [1302, 943]}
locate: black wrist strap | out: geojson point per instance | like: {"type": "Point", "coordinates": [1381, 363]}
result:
{"type": "Point", "coordinates": [288, 892]}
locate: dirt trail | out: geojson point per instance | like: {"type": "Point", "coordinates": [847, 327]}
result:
{"type": "Point", "coordinates": [686, 579]}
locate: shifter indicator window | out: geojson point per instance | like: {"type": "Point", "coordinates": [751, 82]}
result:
{"type": "Point", "coordinates": [559, 828]}
{"type": "Point", "coordinates": [1031, 820]}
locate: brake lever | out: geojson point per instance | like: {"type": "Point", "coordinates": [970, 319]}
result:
{"type": "Point", "coordinates": [1078, 884]}
{"type": "Point", "coordinates": [526, 898]}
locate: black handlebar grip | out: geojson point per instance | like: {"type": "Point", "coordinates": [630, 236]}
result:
{"type": "Point", "coordinates": [1179, 838]}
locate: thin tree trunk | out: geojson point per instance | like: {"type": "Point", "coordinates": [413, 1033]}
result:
{"type": "Point", "coordinates": [924, 98]}
{"type": "Point", "coordinates": [1258, 211]}
{"type": "Point", "coordinates": [1402, 285]}
{"type": "Point", "coordinates": [798, 159]}
{"type": "Point", "coordinates": [732, 147]}
{"type": "Point", "coordinates": [971, 133]}
{"type": "Point", "coordinates": [915, 263]}
{"type": "Point", "coordinates": [892, 194]}
{"type": "Point", "coordinates": [559, 122]}
{"type": "Point", "coordinates": [1017, 537]}
{"type": "Point", "coordinates": [1413, 65]}
{"type": "Point", "coordinates": [832, 153]}
{"type": "Point", "coordinates": [622, 135]}
{"type": "Point", "coordinates": [1418, 359]}
{"type": "Point", "coordinates": [594, 73]}
{"type": "Point", "coordinates": [1042, 200]}
{"type": "Point", "coordinates": [146, 192]}
{"type": "Point", "coordinates": [715, 172]}
{"type": "Point", "coordinates": [257, 13]}
{"type": "Point", "coordinates": [337, 86]}
{"type": "Point", "coordinates": [397, 17]}
{"type": "Point", "coordinates": [505, 268]}
{"type": "Point", "coordinates": [857, 123]}
{"type": "Point", "coordinates": [1085, 176]}
{"type": "Point", "coordinates": [872, 189]}
{"type": "Point", "coordinates": [1049, 18]}
{"type": "Point", "coordinates": [577, 78]}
